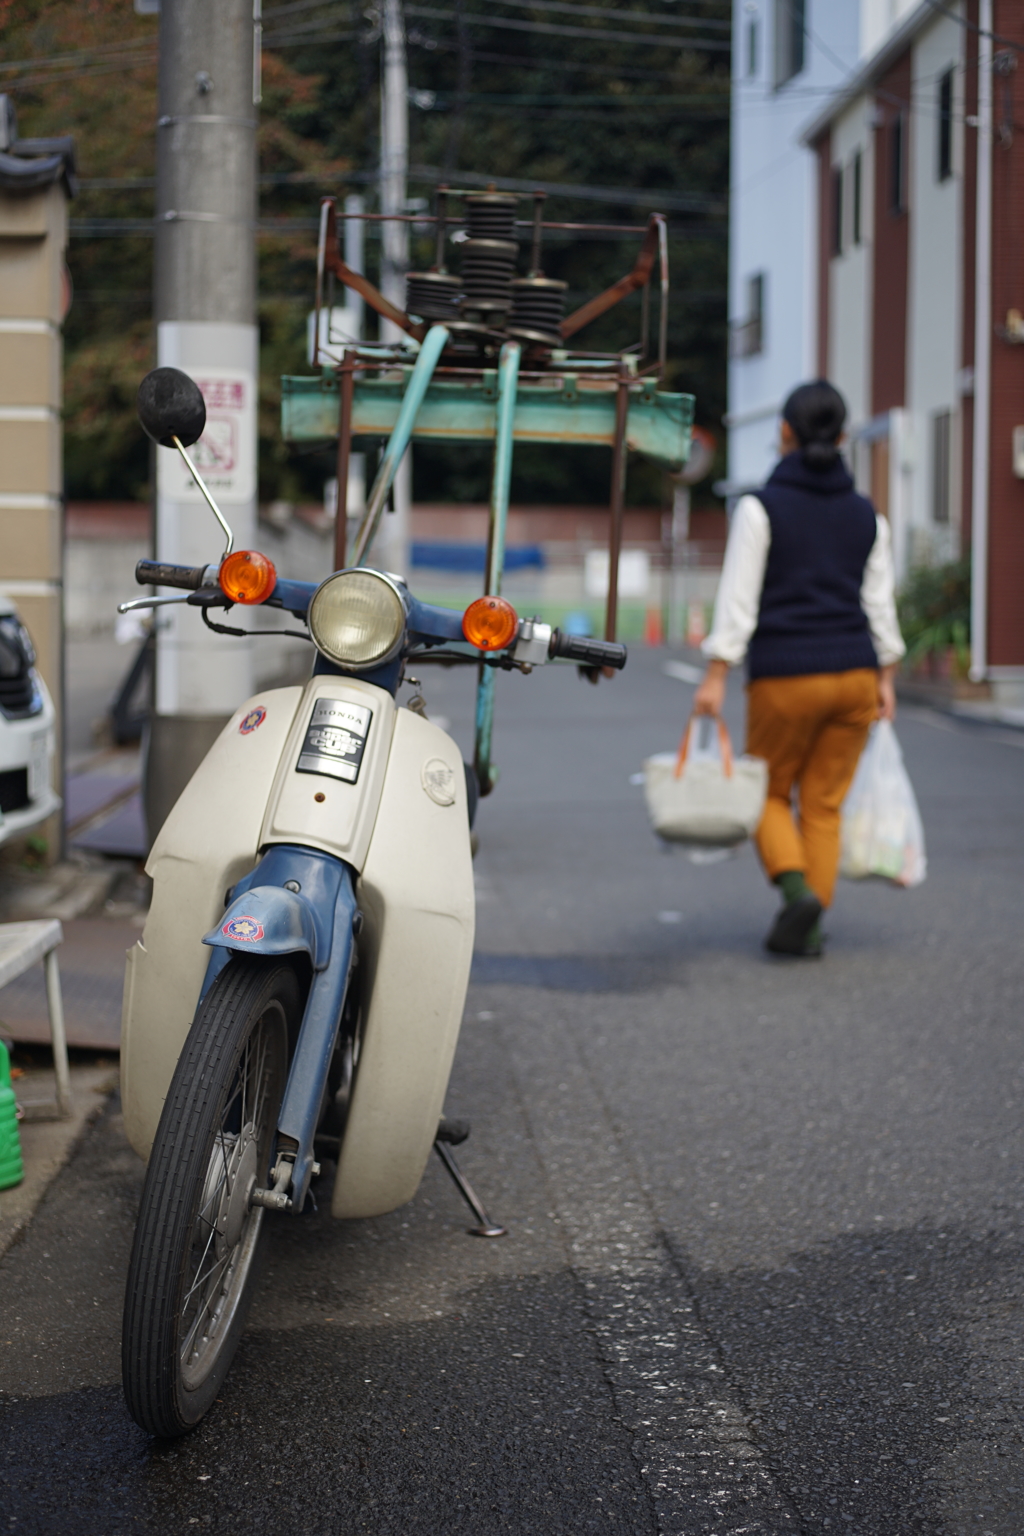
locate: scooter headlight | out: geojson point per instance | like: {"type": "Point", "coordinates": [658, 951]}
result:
{"type": "Point", "coordinates": [357, 619]}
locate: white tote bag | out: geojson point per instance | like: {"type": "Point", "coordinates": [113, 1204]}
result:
{"type": "Point", "coordinates": [882, 831]}
{"type": "Point", "coordinates": [703, 795]}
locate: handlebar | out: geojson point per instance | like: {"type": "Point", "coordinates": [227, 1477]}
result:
{"type": "Point", "coordinates": [589, 653]}
{"type": "Point", "coordinates": [152, 573]}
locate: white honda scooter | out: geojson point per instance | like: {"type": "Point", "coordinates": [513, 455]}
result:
{"type": "Point", "coordinates": [299, 985]}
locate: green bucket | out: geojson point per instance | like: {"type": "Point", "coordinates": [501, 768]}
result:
{"type": "Point", "coordinates": [12, 1169]}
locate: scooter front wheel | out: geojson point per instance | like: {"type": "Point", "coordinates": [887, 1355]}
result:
{"type": "Point", "coordinates": [193, 1262]}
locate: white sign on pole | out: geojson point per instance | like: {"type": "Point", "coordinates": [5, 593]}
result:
{"type": "Point", "coordinates": [225, 455]}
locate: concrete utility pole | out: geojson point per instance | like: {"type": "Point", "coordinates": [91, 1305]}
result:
{"type": "Point", "coordinates": [36, 179]}
{"type": "Point", "coordinates": [392, 548]}
{"type": "Point", "coordinates": [206, 311]}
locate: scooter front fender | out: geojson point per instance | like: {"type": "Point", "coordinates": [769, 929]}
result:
{"type": "Point", "coordinates": [284, 907]}
{"type": "Point", "coordinates": [297, 901]}
{"type": "Point", "coordinates": [266, 921]}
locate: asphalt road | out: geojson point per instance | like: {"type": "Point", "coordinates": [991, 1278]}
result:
{"type": "Point", "coordinates": [763, 1267]}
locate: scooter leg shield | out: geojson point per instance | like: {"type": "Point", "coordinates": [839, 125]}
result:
{"type": "Point", "coordinates": [416, 894]}
{"type": "Point", "coordinates": [208, 843]}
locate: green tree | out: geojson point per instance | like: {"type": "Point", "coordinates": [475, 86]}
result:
{"type": "Point", "coordinates": [506, 102]}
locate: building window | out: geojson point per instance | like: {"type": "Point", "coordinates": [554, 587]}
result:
{"type": "Point", "coordinates": [856, 174]}
{"type": "Point", "coordinates": [752, 41]}
{"type": "Point", "coordinates": [747, 335]}
{"type": "Point", "coordinates": [944, 160]}
{"type": "Point", "coordinates": [898, 163]}
{"type": "Point", "coordinates": [789, 39]}
{"type": "Point", "coordinates": [837, 210]}
{"type": "Point", "coordinates": [941, 478]}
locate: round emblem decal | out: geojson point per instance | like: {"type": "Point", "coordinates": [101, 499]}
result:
{"type": "Point", "coordinates": [252, 720]}
{"type": "Point", "coordinates": [439, 781]}
{"type": "Point", "coordinates": [246, 928]}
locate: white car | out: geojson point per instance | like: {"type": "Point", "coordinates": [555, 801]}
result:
{"type": "Point", "coordinates": [27, 736]}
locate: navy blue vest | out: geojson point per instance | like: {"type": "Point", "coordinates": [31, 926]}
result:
{"type": "Point", "coordinates": [810, 619]}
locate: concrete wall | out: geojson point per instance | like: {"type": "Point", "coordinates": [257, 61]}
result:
{"type": "Point", "coordinates": [33, 237]}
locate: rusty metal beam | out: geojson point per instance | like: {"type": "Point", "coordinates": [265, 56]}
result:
{"type": "Point", "coordinates": [329, 260]}
{"type": "Point", "coordinates": [638, 278]}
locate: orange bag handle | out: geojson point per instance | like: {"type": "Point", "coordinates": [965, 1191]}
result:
{"type": "Point", "coordinates": [724, 746]}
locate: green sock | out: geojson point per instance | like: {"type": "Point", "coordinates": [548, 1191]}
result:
{"type": "Point", "coordinates": [793, 885]}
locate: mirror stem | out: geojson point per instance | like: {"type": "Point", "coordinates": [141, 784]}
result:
{"type": "Point", "coordinates": [218, 514]}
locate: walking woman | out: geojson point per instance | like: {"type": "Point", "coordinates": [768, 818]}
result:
{"type": "Point", "coordinates": [807, 596]}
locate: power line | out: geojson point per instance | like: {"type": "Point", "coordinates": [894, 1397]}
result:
{"type": "Point", "coordinates": [25, 82]}
{"type": "Point", "coordinates": [636, 102]}
{"type": "Point", "coordinates": [314, 33]}
{"type": "Point", "coordinates": [295, 39]}
{"type": "Point", "coordinates": [606, 12]}
{"type": "Point", "coordinates": [630, 196]}
{"type": "Point", "coordinates": [566, 6]}
{"type": "Point", "coordinates": [592, 34]}
{"type": "Point", "coordinates": [972, 26]}
{"type": "Point", "coordinates": [84, 53]}
{"type": "Point", "coordinates": [676, 202]}
{"type": "Point", "coordinates": [516, 61]}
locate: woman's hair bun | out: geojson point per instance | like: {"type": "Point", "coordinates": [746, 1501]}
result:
{"type": "Point", "coordinates": [819, 455]}
{"type": "Point", "coordinates": [816, 413]}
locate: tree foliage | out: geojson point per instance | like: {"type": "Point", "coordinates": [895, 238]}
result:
{"type": "Point", "coordinates": [513, 103]}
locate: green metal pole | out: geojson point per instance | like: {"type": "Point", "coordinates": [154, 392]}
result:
{"type": "Point", "coordinates": [508, 379]}
{"type": "Point", "coordinates": [433, 345]}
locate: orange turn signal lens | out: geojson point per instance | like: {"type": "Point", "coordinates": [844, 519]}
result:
{"type": "Point", "coordinates": [247, 576]}
{"type": "Point", "coordinates": [490, 623]}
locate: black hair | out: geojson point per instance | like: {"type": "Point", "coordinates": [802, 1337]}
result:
{"type": "Point", "coordinates": [816, 413]}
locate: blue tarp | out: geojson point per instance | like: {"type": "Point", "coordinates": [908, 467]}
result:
{"type": "Point", "coordinates": [438, 555]}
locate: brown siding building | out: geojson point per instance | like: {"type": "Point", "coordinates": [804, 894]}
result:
{"type": "Point", "coordinates": [921, 313]}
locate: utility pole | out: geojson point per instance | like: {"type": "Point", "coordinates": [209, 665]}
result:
{"type": "Point", "coordinates": [393, 547]}
{"type": "Point", "coordinates": [205, 305]}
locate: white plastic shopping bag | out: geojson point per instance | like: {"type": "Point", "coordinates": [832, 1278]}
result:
{"type": "Point", "coordinates": [701, 794]}
{"type": "Point", "coordinates": [882, 832]}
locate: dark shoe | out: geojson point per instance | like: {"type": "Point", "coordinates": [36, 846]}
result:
{"type": "Point", "coordinates": [793, 927]}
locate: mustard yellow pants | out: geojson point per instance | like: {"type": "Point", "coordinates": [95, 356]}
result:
{"type": "Point", "coordinates": [811, 731]}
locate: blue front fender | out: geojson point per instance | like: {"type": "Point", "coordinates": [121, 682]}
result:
{"type": "Point", "coordinates": [284, 907]}
{"type": "Point", "coordinates": [297, 901]}
{"type": "Point", "coordinates": [267, 921]}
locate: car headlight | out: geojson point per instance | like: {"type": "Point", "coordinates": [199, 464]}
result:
{"type": "Point", "coordinates": [357, 619]}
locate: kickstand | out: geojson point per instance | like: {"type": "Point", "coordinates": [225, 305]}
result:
{"type": "Point", "coordinates": [453, 1132]}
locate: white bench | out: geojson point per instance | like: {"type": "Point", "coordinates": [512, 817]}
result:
{"type": "Point", "coordinates": [21, 946]}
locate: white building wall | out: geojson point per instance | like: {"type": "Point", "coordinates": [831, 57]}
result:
{"type": "Point", "coordinates": [850, 273]}
{"type": "Point", "coordinates": [878, 18]}
{"type": "Point", "coordinates": [773, 215]}
{"type": "Point", "coordinates": [934, 318]}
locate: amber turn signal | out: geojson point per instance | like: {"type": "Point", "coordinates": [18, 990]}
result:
{"type": "Point", "coordinates": [490, 623]}
{"type": "Point", "coordinates": [247, 576]}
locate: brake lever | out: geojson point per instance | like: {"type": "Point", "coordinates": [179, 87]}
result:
{"type": "Point", "coordinates": [151, 602]}
{"type": "Point", "coordinates": [205, 597]}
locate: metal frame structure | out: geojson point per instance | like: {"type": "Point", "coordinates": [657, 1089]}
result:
{"type": "Point", "coordinates": [510, 391]}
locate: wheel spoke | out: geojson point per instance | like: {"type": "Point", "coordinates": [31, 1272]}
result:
{"type": "Point", "coordinates": [186, 1349]}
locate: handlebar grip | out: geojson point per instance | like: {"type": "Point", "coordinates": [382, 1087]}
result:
{"type": "Point", "coordinates": [589, 653]}
{"type": "Point", "coordinates": [152, 573]}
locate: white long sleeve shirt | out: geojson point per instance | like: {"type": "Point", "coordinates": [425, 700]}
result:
{"type": "Point", "coordinates": [738, 600]}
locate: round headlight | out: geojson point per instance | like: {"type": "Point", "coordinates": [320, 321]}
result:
{"type": "Point", "coordinates": [357, 619]}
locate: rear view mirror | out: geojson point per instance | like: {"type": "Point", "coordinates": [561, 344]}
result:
{"type": "Point", "coordinates": [171, 406]}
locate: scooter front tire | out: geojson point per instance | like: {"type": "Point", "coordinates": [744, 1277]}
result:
{"type": "Point", "coordinates": [193, 1262]}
